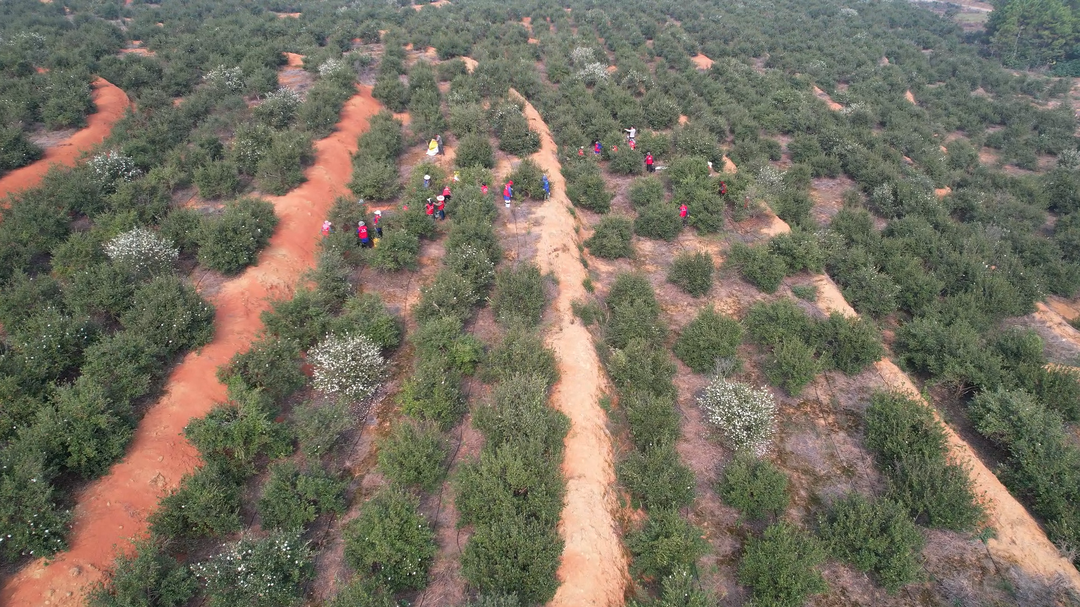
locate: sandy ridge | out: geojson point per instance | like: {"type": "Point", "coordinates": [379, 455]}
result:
{"type": "Point", "coordinates": [593, 570]}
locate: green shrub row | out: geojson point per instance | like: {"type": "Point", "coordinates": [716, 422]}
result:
{"type": "Point", "coordinates": [667, 546]}
{"type": "Point", "coordinates": [799, 347]}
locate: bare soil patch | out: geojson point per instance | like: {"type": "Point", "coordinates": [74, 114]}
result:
{"type": "Point", "coordinates": [114, 508]}
{"type": "Point", "coordinates": [909, 97]}
{"type": "Point", "coordinates": [828, 196]}
{"type": "Point", "coordinates": [701, 61]}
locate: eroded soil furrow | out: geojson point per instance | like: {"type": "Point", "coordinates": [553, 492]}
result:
{"type": "Point", "coordinates": [593, 570]}
{"type": "Point", "coordinates": [114, 508]}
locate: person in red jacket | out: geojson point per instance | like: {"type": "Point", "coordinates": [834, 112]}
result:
{"type": "Point", "coordinates": [723, 188]}
{"type": "Point", "coordinates": [362, 234]}
{"type": "Point", "coordinates": [429, 208]}
{"type": "Point", "coordinates": [684, 213]}
{"type": "Point", "coordinates": [440, 207]}
{"type": "Point", "coordinates": [508, 193]}
{"type": "Point", "coordinates": [649, 162]}
{"type": "Point", "coordinates": [446, 193]}
{"type": "Point", "coordinates": [483, 189]}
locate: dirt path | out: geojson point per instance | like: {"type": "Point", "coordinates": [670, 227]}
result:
{"type": "Point", "coordinates": [110, 102]}
{"type": "Point", "coordinates": [114, 508]}
{"type": "Point", "coordinates": [822, 95]}
{"type": "Point", "coordinates": [1019, 539]}
{"type": "Point", "coordinates": [593, 570]}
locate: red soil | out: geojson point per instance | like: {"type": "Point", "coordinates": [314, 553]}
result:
{"type": "Point", "coordinates": [593, 570]}
{"type": "Point", "coordinates": [822, 95]}
{"type": "Point", "coordinates": [701, 61]}
{"type": "Point", "coordinates": [114, 509]}
{"type": "Point", "coordinates": [110, 101]}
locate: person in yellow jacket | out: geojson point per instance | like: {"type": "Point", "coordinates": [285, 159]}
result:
{"type": "Point", "coordinates": [433, 148]}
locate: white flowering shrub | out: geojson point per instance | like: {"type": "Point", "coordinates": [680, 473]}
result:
{"type": "Point", "coordinates": [331, 66]}
{"type": "Point", "coordinates": [742, 413]}
{"type": "Point", "coordinates": [347, 365]}
{"type": "Point", "coordinates": [231, 78]}
{"type": "Point", "coordinates": [279, 107]}
{"type": "Point", "coordinates": [265, 572]}
{"type": "Point", "coordinates": [849, 12]}
{"type": "Point", "coordinates": [1069, 159]}
{"type": "Point", "coordinates": [111, 167]}
{"type": "Point", "coordinates": [593, 73]}
{"type": "Point", "coordinates": [473, 265]}
{"type": "Point", "coordinates": [582, 55]}
{"type": "Point", "coordinates": [142, 252]}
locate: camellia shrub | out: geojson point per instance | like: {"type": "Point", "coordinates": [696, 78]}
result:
{"type": "Point", "coordinates": [646, 191]}
{"type": "Point", "coordinates": [231, 242]}
{"type": "Point", "coordinates": [876, 536]}
{"type": "Point", "coordinates": [692, 272]}
{"type": "Point", "coordinates": [781, 566]}
{"type": "Point", "coordinates": [292, 498]}
{"type": "Point", "coordinates": [390, 541]}
{"type": "Point", "coordinates": [612, 238]}
{"type": "Point", "coordinates": [744, 415]}
{"type": "Point", "coordinates": [710, 338]}
{"type": "Point", "coordinates": [754, 486]}
{"type": "Point", "coordinates": [142, 252]}
{"type": "Point", "coordinates": [659, 221]}
{"type": "Point", "coordinates": [261, 572]}
{"type": "Point", "coordinates": [347, 365]}
{"type": "Point", "coordinates": [412, 455]}
{"type": "Point", "coordinates": [148, 574]}
{"type": "Point", "coordinates": [667, 543]}
{"type": "Point", "coordinates": [519, 295]}
{"type": "Point", "coordinates": [910, 448]}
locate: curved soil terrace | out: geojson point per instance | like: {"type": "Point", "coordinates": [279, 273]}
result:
{"type": "Point", "coordinates": [593, 570]}
{"type": "Point", "coordinates": [1051, 322]}
{"type": "Point", "coordinates": [110, 102]}
{"type": "Point", "coordinates": [114, 509]}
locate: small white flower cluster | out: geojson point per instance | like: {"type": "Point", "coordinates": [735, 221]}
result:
{"type": "Point", "coordinates": [284, 95]}
{"type": "Point", "coordinates": [112, 166]}
{"type": "Point", "coordinates": [849, 12]}
{"type": "Point", "coordinates": [330, 66]}
{"type": "Point", "coordinates": [582, 55]}
{"type": "Point", "coordinates": [467, 259]}
{"type": "Point", "coordinates": [231, 77]}
{"type": "Point", "coordinates": [348, 365]}
{"type": "Point", "coordinates": [256, 567]}
{"type": "Point", "coordinates": [635, 78]}
{"type": "Point", "coordinates": [593, 73]}
{"type": "Point", "coordinates": [770, 178]}
{"type": "Point", "coordinates": [143, 251]}
{"type": "Point", "coordinates": [742, 413]}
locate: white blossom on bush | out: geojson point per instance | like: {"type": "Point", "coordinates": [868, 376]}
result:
{"type": "Point", "coordinates": [112, 166]}
{"type": "Point", "coordinates": [742, 413]}
{"type": "Point", "coordinates": [231, 78]}
{"type": "Point", "coordinates": [347, 365]}
{"type": "Point", "coordinates": [1069, 159]}
{"type": "Point", "coordinates": [849, 12]}
{"type": "Point", "coordinates": [471, 263]}
{"type": "Point", "coordinates": [142, 251]}
{"type": "Point", "coordinates": [582, 55]}
{"type": "Point", "coordinates": [593, 73]}
{"type": "Point", "coordinates": [330, 66]}
{"type": "Point", "coordinates": [266, 571]}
